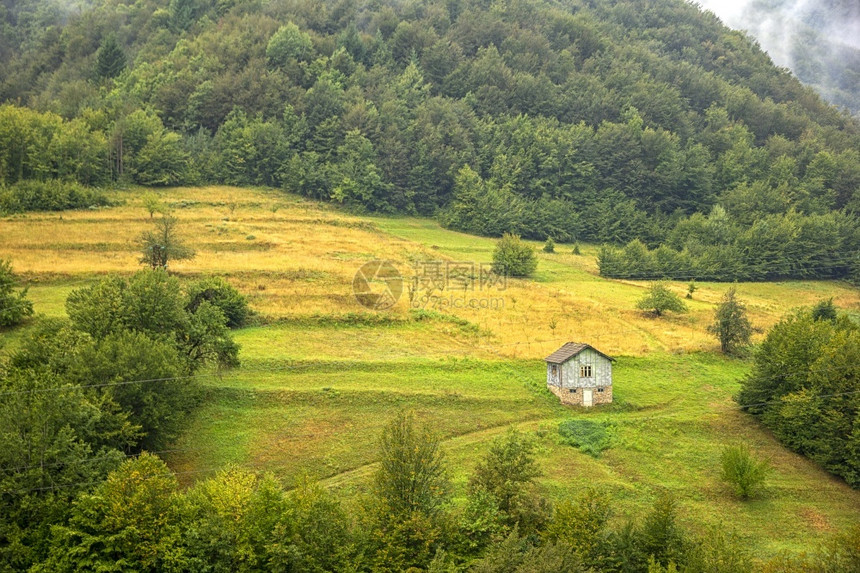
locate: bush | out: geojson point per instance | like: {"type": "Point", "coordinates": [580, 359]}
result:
{"type": "Point", "coordinates": [14, 307]}
{"type": "Point", "coordinates": [222, 295]}
{"type": "Point", "coordinates": [50, 195]}
{"type": "Point", "coordinates": [590, 437]}
{"type": "Point", "coordinates": [513, 257]}
{"type": "Point", "coordinates": [824, 310]}
{"type": "Point", "coordinates": [549, 246]}
{"type": "Point", "coordinates": [152, 302]}
{"type": "Point", "coordinates": [157, 409]}
{"type": "Point", "coordinates": [742, 471]}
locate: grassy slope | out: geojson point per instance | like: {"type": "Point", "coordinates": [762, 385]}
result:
{"type": "Point", "coordinates": [312, 394]}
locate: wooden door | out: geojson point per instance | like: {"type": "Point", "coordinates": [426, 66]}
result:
{"type": "Point", "coordinates": [587, 397]}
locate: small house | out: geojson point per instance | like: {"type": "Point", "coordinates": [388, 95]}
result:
{"type": "Point", "coordinates": [580, 375]}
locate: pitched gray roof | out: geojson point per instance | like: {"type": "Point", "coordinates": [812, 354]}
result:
{"type": "Point", "coordinates": [571, 349]}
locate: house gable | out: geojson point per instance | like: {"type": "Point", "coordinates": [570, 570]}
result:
{"type": "Point", "coordinates": [578, 373]}
{"type": "Point", "coordinates": [570, 350]}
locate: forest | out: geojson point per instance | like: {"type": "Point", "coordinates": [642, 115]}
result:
{"type": "Point", "coordinates": [585, 120]}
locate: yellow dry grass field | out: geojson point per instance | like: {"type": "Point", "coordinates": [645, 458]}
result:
{"type": "Point", "coordinates": [296, 259]}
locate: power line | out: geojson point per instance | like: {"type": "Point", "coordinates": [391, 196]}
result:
{"type": "Point", "coordinates": [107, 456]}
{"type": "Point", "coordinates": [101, 385]}
{"type": "Point", "coordinates": [97, 482]}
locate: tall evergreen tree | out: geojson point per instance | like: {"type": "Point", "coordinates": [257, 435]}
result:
{"type": "Point", "coordinates": [110, 60]}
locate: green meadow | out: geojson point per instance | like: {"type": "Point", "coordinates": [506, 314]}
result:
{"type": "Point", "coordinates": [321, 375]}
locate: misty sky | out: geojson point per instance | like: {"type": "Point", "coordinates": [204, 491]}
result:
{"type": "Point", "coordinates": [774, 22]}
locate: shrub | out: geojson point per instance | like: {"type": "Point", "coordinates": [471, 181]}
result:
{"type": "Point", "coordinates": [222, 295]}
{"type": "Point", "coordinates": [50, 195]}
{"type": "Point", "coordinates": [549, 246]}
{"type": "Point", "coordinates": [691, 288]}
{"type": "Point", "coordinates": [742, 471]}
{"type": "Point", "coordinates": [152, 302]}
{"type": "Point", "coordinates": [583, 522]}
{"type": "Point", "coordinates": [14, 306]}
{"type": "Point", "coordinates": [513, 257]}
{"type": "Point", "coordinates": [590, 437]}
{"type": "Point", "coordinates": [824, 310]}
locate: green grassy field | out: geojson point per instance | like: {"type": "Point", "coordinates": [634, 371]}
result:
{"type": "Point", "coordinates": [320, 375]}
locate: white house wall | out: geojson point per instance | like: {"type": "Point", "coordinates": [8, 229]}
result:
{"type": "Point", "coordinates": [601, 370]}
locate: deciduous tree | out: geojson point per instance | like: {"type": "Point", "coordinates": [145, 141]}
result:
{"type": "Point", "coordinates": [513, 257]}
{"type": "Point", "coordinates": [731, 325]}
{"type": "Point", "coordinates": [162, 245]}
{"type": "Point", "coordinates": [659, 300]}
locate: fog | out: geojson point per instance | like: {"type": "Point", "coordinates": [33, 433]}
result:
{"type": "Point", "coordinates": [776, 24]}
{"type": "Point", "coordinates": [819, 40]}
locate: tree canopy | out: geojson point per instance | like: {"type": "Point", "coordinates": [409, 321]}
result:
{"type": "Point", "coordinates": [599, 121]}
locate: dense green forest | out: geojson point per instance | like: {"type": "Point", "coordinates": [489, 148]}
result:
{"type": "Point", "coordinates": [580, 120]}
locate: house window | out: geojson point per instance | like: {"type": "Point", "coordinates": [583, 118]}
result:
{"type": "Point", "coordinates": [554, 370]}
{"type": "Point", "coordinates": [585, 371]}
{"type": "Point", "coordinates": [573, 390]}
{"type": "Point", "coordinates": [600, 389]}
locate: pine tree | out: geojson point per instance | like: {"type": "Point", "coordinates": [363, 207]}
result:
{"type": "Point", "coordinates": [110, 61]}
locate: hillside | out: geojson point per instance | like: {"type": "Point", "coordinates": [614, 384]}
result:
{"type": "Point", "coordinates": [321, 375]}
{"type": "Point", "coordinates": [598, 121]}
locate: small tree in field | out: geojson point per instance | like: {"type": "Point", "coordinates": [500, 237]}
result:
{"type": "Point", "coordinates": [549, 246]}
{"type": "Point", "coordinates": [14, 307]}
{"type": "Point", "coordinates": [513, 257]}
{"type": "Point", "coordinates": [152, 204]}
{"type": "Point", "coordinates": [742, 471]}
{"type": "Point", "coordinates": [412, 476]}
{"type": "Point", "coordinates": [411, 489]}
{"type": "Point", "coordinates": [660, 299]}
{"type": "Point", "coordinates": [691, 288]}
{"type": "Point", "coordinates": [162, 245]}
{"type": "Point", "coordinates": [507, 473]}
{"type": "Point", "coordinates": [731, 325]}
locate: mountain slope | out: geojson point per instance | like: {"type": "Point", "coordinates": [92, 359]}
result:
{"type": "Point", "coordinates": [595, 120]}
